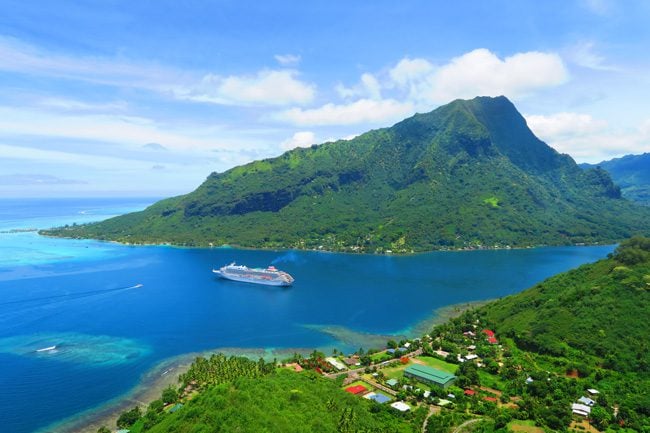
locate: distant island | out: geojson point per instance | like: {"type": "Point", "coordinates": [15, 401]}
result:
{"type": "Point", "coordinates": [469, 174]}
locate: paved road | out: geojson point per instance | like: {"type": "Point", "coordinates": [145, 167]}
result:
{"type": "Point", "coordinates": [380, 386]}
{"type": "Point", "coordinates": [413, 354]}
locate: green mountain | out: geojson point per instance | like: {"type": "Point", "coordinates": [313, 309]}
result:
{"type": "Point", "coordinates": [469, 173]}
{"type": "Point", "coordinates": [632, 173]}
{"type": "Point", "coordinates": [591, 321]}
{"type": "Point", "coordinates": [598, 310]}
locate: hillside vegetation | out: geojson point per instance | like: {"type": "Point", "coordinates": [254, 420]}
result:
{"type": "Point", "coordinates": [283, 402]}
{"type": "Point", "coordinates": [592, 320]}
{"type": "Point", "coordinates": [468, 174]}
{"type": "Point", "coordinates": [598, 309]}
{"type": "Point", "coordinates": [632, 173]}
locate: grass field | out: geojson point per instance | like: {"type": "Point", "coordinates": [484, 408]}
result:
{"type": "Point", "coordinates": [380, 357]}
{"type": "Point", "coordinates": [394, 372]}
{"type": "Point", "coordinates": [524, 427]}
{"type": "Point", "coordinates": [490, 380]}
{"type": "Point", "coordinates": [438, 364]}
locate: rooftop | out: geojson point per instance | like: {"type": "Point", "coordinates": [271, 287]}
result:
{"type": "Point", "coordinates": [580, 409]}
{"type": "Point", "coordinates": [429, 373]}
{"type": "Point", "coordinates": [377, 396]}
{"type": "Point", "coordinates": [357, 389]}
{"type": "Point", "coordinates": [401, 406]}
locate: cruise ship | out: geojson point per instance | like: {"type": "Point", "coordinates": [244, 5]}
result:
{"type": "Point", "coordinates": [269, 276]}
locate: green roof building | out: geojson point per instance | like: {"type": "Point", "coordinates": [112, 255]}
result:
{"type": "Point", "coordinates": [429, 375]}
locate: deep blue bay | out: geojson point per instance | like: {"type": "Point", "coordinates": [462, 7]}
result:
{"type": "Point", "coordinates": [114, 311]}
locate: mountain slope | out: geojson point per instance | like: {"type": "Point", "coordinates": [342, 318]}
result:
{"type": "Point", "coordinates": [468, 173]}
{"type": "Point", "coordinates": [597, 310]}
{"type": "Point", "coordinates": [632, 173]}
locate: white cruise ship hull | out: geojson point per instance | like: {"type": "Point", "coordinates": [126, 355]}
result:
{"type": "Point", "coordinates": [244, 279]}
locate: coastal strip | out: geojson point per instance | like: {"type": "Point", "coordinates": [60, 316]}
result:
{"type": "Point", "coordinates": [367, 340]}
{"type": "Point", "coordinates": [166, 372]}
{"type": "Point", "coordinates": [151, 386]}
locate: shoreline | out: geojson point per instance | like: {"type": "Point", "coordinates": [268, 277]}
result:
{"type": "Point", "coordinates": [40, 232]}
{"type": "Point", "coordinates": [149, 388]}
{"type": "Point", "coordinates": [151, 384]}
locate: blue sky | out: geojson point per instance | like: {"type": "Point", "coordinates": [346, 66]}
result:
{"type": "Point", "coordinates": [147, 98]}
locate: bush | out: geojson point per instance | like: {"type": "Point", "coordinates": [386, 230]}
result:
{"type": "Point", "coordinates": [128, 418]}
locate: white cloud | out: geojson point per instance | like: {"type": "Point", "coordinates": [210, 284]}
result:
{"type": "Point", "coordinates": [482, 73]}
{"type": "Point", "coordinates": [123, 130]}
{"type": "Point", "coordinates": [408, 71]}
{"type": "Point", "coordinates": [368, 87]}
{"type": "Point", "coordinates": [563, 125]}
{"type": "Point", "coordinates": [299, 139]}
{"type": "Point", "coordinates": [287, 59]}
{"type": "Point", "coordinates": [587, 139]}
{"type": "Point", "coordinates": [36, 179]}
{"type": "Point", "coordinates": [65, 104]}
{"type": "Point", "coordinates": [371, 85]}
{"type": "Point", "coordinates": [417, 84]}
{"type": "Point", "coordinates": [584, 54]}
{"type": "Point", "coordinates": [267, 87]}
{"type": "Point", "coordinates": [360, 111]}
{"type": "Point", "coordinates": [97, 162]}
{"type": "Point", "coordinates": [598, 7]}
{"type": "Point", "coordinates": [17, 56]}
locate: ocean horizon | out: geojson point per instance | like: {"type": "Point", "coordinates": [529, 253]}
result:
{"type": "Point", "coordinates": [108, 313]}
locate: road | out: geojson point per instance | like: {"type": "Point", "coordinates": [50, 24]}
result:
{"type": "Point", "coordinates": [465, 424]}
{"type": "Point", "coordinates": [413, 354]}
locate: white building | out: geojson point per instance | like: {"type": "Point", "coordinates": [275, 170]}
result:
{"type": "Point", "coordinates": [400, 406]}
{"type": "Point", "coordinates": [587, 401]}
{"type": "Point", "coordinates": [335, 363]}
{"type": "Point", "coordinates": [580, 409]}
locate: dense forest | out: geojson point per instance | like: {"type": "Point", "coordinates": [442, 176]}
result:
{"type": "Point", "coordinates": [592, 320]}
{"type": "Point", "coordinates": [468, 174]}
{"type": "Point", "coordinates": [234, 394]}
{"type": "Point", "coordinates": [590, 310]}
{"type": "Point", "coordinates": [631, 173]}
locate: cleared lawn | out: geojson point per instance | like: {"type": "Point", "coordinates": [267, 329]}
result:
{"type": "Point", "coordinates": [490, 380]}
{"type": "Point", "coordinates": [437, 363]}
{"type": "Point", "coordinates": [380, 357]}
{"type": "Point", "coordinates": [394, 372]}
{"type": "Point", "coordinates": [524, 426]}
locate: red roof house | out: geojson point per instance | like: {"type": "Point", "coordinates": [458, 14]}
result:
{"type": "Point", "coordinates": [488, 332]}
{"type": "Point", "coordinates": [470, 392]}
{"type": "Point", "coordinates": [357, 389]}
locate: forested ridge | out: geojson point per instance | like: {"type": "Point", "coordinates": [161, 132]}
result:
{"type": "Point", "coordinates": [631, 173]}
{"type": "Point", "coordinates": [598, 309]}
{"type": "Point", "coordinates": [468, 174]}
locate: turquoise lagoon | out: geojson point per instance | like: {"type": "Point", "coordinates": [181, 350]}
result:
{"type": "Point", "coordinates": [114, 311]}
